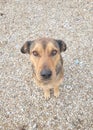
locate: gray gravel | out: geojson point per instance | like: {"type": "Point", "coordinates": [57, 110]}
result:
{"type": "Point", "coordinates": [22, 105]}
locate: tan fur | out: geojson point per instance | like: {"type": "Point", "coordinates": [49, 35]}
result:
{"type": "Point", "coordinates": [44, 48]}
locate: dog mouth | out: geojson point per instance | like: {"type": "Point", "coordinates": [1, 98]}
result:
{"type": "Point", "coordinates": [44, 81]}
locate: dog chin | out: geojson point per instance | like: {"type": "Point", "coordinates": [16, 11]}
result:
{"type": "Point", "coordinates": [44, 81]}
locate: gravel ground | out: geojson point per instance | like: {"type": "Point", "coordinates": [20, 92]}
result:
{"type": "Point", "coordinates": [22, 105]}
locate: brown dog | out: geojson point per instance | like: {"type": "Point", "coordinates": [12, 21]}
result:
{"type": "Point", "coordinates": [45, 55]}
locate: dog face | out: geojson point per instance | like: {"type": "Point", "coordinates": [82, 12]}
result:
{"type": "Point", "coordinates": [45, 55]}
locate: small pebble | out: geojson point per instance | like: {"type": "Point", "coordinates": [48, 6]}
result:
{"type": "Point", "coordinates": [1, 14]}
{"type": "Point", "coordinates": [76, 61]}
{"type": "Point", "coordinates": [35, 125]}
{"type": "Point", "coordinates": [17, 46]}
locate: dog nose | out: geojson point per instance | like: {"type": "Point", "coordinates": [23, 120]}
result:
{"type": "Point", "coordinates": [46, 73]}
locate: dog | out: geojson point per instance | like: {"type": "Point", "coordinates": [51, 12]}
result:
{"type": "Point", "coordinates": [47, 63]}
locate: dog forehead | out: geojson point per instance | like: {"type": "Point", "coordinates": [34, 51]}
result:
{"type": "Point", "coordinates": [45, 43]}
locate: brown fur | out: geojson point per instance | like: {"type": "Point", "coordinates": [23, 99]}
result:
{"type": "Point", "coordinates": [43, 58]}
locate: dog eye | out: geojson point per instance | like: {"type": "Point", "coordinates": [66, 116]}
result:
{"type": "Point", "coordinates": [54, 52]}
{"type": "Point", "coordinates": [35, 53]}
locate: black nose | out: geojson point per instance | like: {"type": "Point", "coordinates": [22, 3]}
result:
{"type": "Point", "coordinates": [46, 73]}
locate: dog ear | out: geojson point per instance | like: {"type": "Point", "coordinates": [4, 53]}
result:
{"type": "Point", "coordinates": [26, 47]}
{"type": "Point", "coordinates": [62, 45]}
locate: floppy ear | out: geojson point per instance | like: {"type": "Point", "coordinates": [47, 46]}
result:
{"type": "Point", "coordinates": [26, 47]}
{"type": "Point", "coordinates": [62, 45]}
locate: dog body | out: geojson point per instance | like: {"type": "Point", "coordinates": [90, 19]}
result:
{"type": "Point", "coordinates": [47, 63]}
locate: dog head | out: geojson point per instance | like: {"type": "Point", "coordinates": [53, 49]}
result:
{"type": "Point", "coordinates": [45, 55]}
